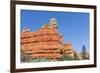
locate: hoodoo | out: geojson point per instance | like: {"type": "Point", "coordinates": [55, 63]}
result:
{"type": "Point", "coordinates": [46, 42]}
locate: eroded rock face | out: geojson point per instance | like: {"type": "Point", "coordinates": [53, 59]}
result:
{"type": "Point", "coordinates": [45, 42]}
{"type": "Point", "coordinates": [42, 43]}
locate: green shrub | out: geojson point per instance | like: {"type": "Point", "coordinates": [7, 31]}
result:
{"type": "Point", "coordinates": [65, 57]}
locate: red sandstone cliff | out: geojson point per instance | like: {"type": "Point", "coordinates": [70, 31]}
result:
{"type": "Point", "coordinates": [46, 42]}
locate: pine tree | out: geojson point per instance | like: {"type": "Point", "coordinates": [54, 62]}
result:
{"type": "Point", "coordinates": [84, 53]}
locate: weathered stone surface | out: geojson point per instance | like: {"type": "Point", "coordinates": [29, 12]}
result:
{"type": "Point", "coordinates": [45, 42]}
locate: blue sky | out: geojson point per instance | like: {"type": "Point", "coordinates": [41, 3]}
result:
{"type": "Point", "coordinates": [74, 26]}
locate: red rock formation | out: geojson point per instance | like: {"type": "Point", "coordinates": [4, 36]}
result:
{"type": "Point", "coordinates": [45, 42]}
{"type": "Point", "coordinates": [68, 49]}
